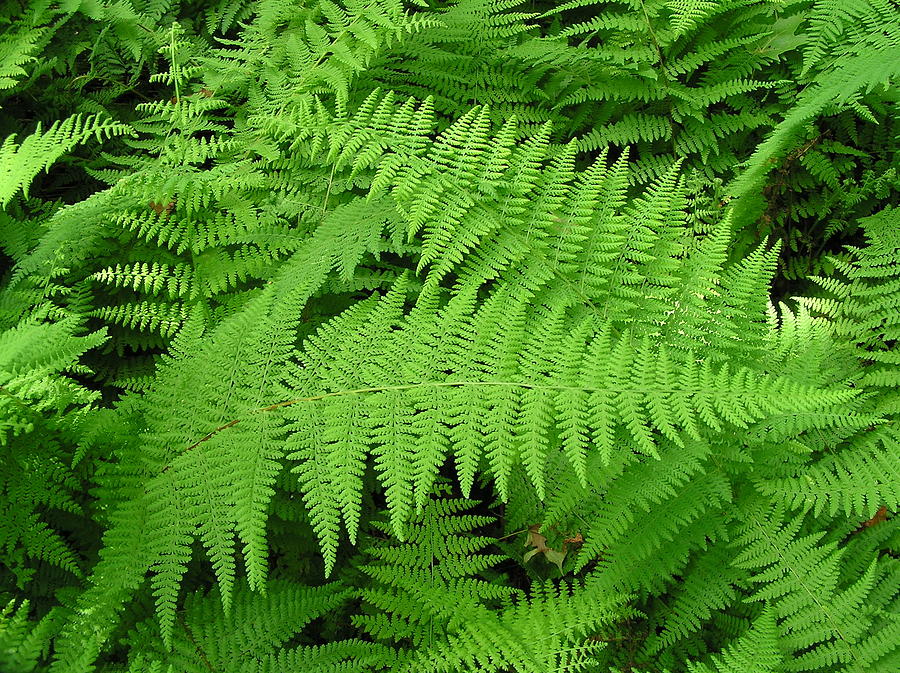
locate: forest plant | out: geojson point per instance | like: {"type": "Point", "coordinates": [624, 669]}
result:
{"type": "Point", "coordinates": [449, 336]}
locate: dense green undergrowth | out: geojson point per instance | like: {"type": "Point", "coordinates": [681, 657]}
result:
{"type": "Point", "coordinates": [483, 335]}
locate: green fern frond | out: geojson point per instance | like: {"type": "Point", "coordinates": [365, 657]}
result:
{"type": "Point", "coordinates": [16, 49]}
{"type": "Point", "coordinates": [855, 73]}
{"type": "Point", "coordinates": [22, 161]}
{"type": "Point", "coordinates": [551, 629]}
{"type": "Point", "coordinates": [24, 641]}
{"type": "Point", "coordinates": [822, 619]}
{"type": "Point", "coordinates": [440, 557]}
{"type": "Point", "coordinates": [757, 651]}
{"type": "Point", "coordinates": [184, 475]}
{"type": "Point", "coordinates": [256, 633]}
{"type": "Point", "coordinates": [857, 480]}
{"type": "Point", "coordinates": [344, 257]}
{"type": "Point", "coordinates": [866, 24]}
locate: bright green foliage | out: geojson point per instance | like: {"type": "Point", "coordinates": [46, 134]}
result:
{"type": "Point", "coordinates": [256, 635]}
{"type": "Point", "coordinates": [21, 162]}
{"type": "Point", "coordinates": [755, 652]}
{"type": "Point", "coordinates": [467, 335]}
{"type": "Point", "coordinates": [23, 642]}
{"type": "Point", "coordinates": [40, 411]}
{"type": "Point", "coordinates": [423, 586]}
{"type": "Point", "coordinates": [554, 629]}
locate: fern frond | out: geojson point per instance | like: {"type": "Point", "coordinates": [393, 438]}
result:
{"type": "Point", "coordinates": [23, 641]}
{"type": "Point", "coordinates": [857, 480]}
{"type": "Point", "coordinates": [22, 161]}
{"type": "Point", "coordinates": [548, 630]}
{"type": "Point", "coordinates": [185, 477]}
{"type": "Point", "coordinates": [440, 557]}
{"type": "Point", "coordinates": [257, 632]}
{"type": "Point", "coordinates": [862, 22]}
{"type": "Point", "coordinates": [821, 618]}
{"type": "Point", "coordinates": [855, 73]}
{"type": "Point", "coordinates": [757, 651]}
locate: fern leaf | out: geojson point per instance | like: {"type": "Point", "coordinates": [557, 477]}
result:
{"type": "Point", "coordinates": [22, 161]}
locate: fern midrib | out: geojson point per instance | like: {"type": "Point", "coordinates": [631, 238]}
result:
{"type": "Point", "coordinates": [437, 384]}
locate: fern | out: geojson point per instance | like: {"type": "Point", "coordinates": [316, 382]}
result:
{"type": "Point", "coordinates": [819, 619]}
{"type": "Point", "coordinates": [548, 630]}
{"type": "Point", "coordinates": [556, 336]}
{"type": "Point", "coordinates": [22, 161]}
{"type": "Point", "coordinates": [420, 585]}
{"type": "Point", "coordinates": [755, 651]}
{"type": "Point", "coordinates": [257, 633]}
{"type": "Point", "coordinates": [22, 642]}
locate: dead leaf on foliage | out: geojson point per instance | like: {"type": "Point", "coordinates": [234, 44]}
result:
{"type": "Point", "coordinates": [539, 542]}
{"type": "Point", "coordinates": [159, 208]}
{"type": "Point", "coordinates": [880, 515]}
